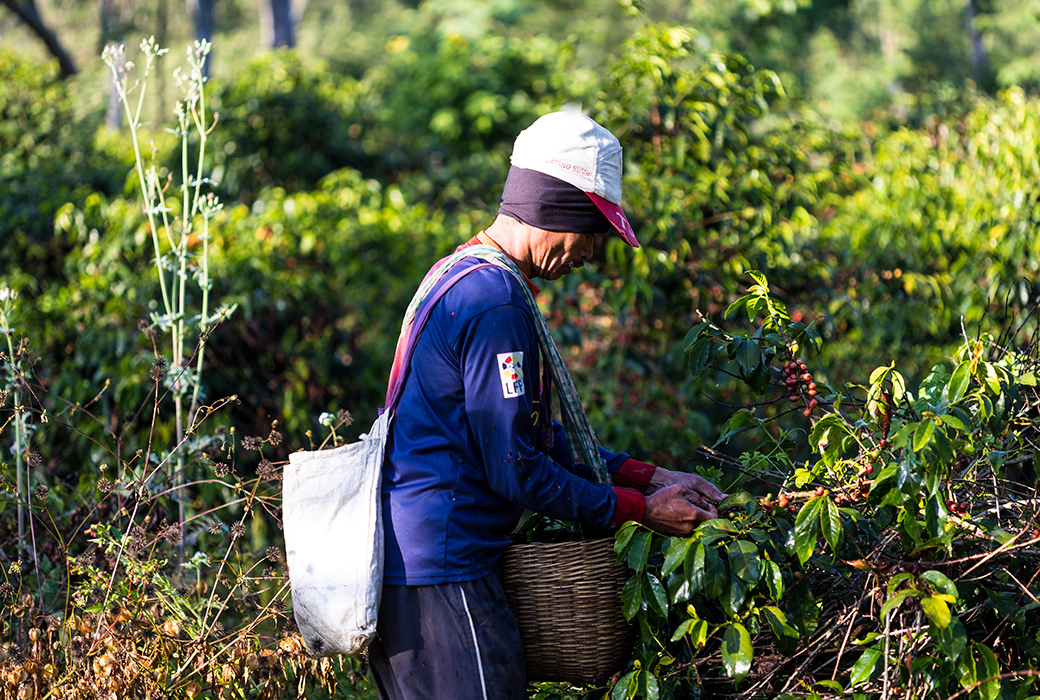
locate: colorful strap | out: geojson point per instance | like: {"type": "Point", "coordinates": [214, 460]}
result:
{"type": "Point", "coordinates": [411, 333]}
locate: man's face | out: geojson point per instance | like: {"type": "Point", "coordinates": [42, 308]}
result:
{"type": "Point", "coordinates": [557, 253]}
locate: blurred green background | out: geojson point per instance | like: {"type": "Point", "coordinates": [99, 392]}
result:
{"type": "Point", "coordinates": [876, 159]}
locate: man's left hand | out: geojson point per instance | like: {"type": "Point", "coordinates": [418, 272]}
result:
{"type": "Point", "coordinates": [698, 490]}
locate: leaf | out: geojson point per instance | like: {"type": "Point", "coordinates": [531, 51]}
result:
{"type": "Point", "coordinates": [785, 636]}
{"type": "Point", "coordinates": [648, 685]}
{"type": "Point", "coordinates": [700, 356]}
{"type": "Point", "coordinates": [760, 279]}
{"type": "Point", "coordinates": [968, 672]}
{"type": "Point", "coordinates": [748, 356]}
{"type": "Point", "coordinates": [733, 426]}
{"type": "Point", "coordinates": [684, 629]}
{"type": "Point", "coordinates": [830, 524]}
{"type": "Point", "coordinates": [992, 379]}
{"type": "Point", "coordinates": [693, 335]}
{"type": "Point", "coordinates": [991, 688]}
{"type": "Point", "coordinates": [693, 567]}
{"type": "Point", "coordinates": [879, 373]}
{"type": "Point", "coordinates": [937, 611]}
{"type": "Point", "coordinates": [734, 594]}
{"type": "Point", "coordinates": [805, 529]}
{"type": "Point", "coordinates": [676, 555]}
{"type": "Point", "coordinates": [941, 582]}
{"type": "Point", "coordinates": [953, 640]}
{"type": "Point", "coordinates": [953, 421]}
{"type": "Point", "coordinates": [923, 434]}
{"type": "Point", "coordinates": [657, 597]}
{"type": "Point", "coordinates": [744, 560]}
{"type": "Point", "coordinates": [624, 536]}
{"type": "Point", "coordinates": [774, 580]}
{"type": "Point", "coordinates": [736, 651]}
{"type": "Point", "coordinates": [833, 686]}
{"type": "Point", "coordinates": [699, 634]}
{"type": "Point", "coordinates": [865, 665]}
{"type": "Point", "coordinates": [897, 600]}
{"type": "Point", "coordinates": [639, 552]}
{"type": "Point", "coordinates": [737, 306]}
{"type": "Point", "coordinates": [631, 598]}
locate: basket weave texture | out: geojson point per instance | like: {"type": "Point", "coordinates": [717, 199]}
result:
{"type": "Point", "coordinates": [566, 598]}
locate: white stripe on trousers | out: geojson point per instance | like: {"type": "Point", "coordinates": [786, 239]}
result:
{"type": "Point", "coordinates": [476, 645]}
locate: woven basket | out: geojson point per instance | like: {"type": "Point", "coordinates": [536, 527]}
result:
{"type": "Point", "coordinates": [566, 598]}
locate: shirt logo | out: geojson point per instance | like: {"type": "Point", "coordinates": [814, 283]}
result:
{"type": "Point", "coordinates": [511, 372]}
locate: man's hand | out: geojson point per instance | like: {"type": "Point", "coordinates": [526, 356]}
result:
{"type": "Point", "coordinates": [699, 491]}
{"type": "Point", "coordinates": [670, 511]}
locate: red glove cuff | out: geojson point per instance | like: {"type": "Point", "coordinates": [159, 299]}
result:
{"type": "Point", "coordinates": [631, 505]}
{"type": "Point", "coordinates": [634, 475]}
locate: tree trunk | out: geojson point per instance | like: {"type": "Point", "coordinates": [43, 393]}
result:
{"type": "Point", "coordinates": [979, 59]}
{"type": "Point", "coordinates": [276, 23]}
{"type": "Point", "coordinates": [27, 12]}
{"type": "Point", "coordinates": [201, 13]}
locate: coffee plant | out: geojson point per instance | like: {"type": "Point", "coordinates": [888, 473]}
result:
{"type": "Point", "coordinates": [898, 559]}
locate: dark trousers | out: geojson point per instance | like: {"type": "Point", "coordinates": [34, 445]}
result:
{"type": "Point", "coordinates": [451, 641]}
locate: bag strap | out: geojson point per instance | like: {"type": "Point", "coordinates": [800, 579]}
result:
{"type": "Point", "coordinates": [400, 369]}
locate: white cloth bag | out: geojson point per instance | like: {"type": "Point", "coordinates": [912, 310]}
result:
{"type": "Point", "coordinates": [332, 515]}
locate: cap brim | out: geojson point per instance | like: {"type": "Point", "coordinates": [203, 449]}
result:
{"type": "Point", "coordinates": [617, 219]}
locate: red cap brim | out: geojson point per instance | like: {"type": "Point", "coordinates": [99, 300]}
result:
{"type": "Point", "coordinates": [617, 219]}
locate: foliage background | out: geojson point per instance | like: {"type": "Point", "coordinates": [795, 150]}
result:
{"type": "Point", "coordinates": [866, 156]}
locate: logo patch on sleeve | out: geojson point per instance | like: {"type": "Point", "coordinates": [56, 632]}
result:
{"type": "Point", "coordinates": [511, 372]}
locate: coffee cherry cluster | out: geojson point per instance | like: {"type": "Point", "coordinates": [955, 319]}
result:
{"type": "Point", "coordinates": [957, 508]}
{"type": "Point", "coordinates": [800, 384]}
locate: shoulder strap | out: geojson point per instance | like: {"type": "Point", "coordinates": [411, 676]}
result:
{"type": "Point", "coordinates": [400, 371]}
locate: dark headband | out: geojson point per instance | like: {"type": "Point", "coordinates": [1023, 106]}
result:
{"type": "Point", "coordinates": [548, 203]}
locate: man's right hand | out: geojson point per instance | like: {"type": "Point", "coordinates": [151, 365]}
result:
{"type": "Point", "coordinates": [670, 513]}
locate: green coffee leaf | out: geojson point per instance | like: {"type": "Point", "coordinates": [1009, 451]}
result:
{"type": "Point", "coordinates": [830, 523]}
{"type": "Point", "coordinates": [736, 651]}
{"type": "Point", "coordinates": [700, 356]}
{"type": "Point", "coordinates": [676, 555]}
{"type": "Point", "coordinates": [639, 552]}
{"type": "Point", "coordinates": [959, 382]}
{"type": "Point", "coordinates": [693, 335]}
{"type": "Point", "coordinates": [693, 567]}
{"type": "Point", "coordinates": [737, 306]}
{"type": "Point", "coordinates": [744, 560]}
{"type": "Point", "coordinates": [656, 595]}
{"type": "Point", "coordinates": [991, 688]}
{"type": "Point", "coordinates": [624, 536]}
{"type": "Point", "coordinates": [923, 434]}
{"type": "Point", "coordinates": [648, 686]}
{"type": "Point", "coordinates": [941, 582]}
{"type": "Point", "coordinates": [953, 639]}
{"type": "Point", "coordinates": [937, 611]}
{"type": "Point", "coordinates": [774, 580]}
{"type": "Point", "coordinates": [631, 598]}
{"type": "Point", "coordinates": [865, 666]}
{"type": "Point", "coordinates": [806, 529]}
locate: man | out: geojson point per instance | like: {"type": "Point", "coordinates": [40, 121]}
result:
{"type": "Point", "coordinates": [467, 451]}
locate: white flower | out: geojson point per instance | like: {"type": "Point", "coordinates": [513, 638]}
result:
{"type": "Point", "coordinates": [5, 294]}
{"type": "Point", "coordinates": [326, 419]}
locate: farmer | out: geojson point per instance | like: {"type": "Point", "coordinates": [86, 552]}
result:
{"type": "Point", "coordinates": [469, 447]}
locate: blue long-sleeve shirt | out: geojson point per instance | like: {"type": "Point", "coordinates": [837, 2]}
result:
{"type": "Point", "coordinates": [460, 462]}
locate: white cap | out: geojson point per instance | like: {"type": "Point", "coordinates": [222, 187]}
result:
{"type": "Point", "coordinates": [572, 147]}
